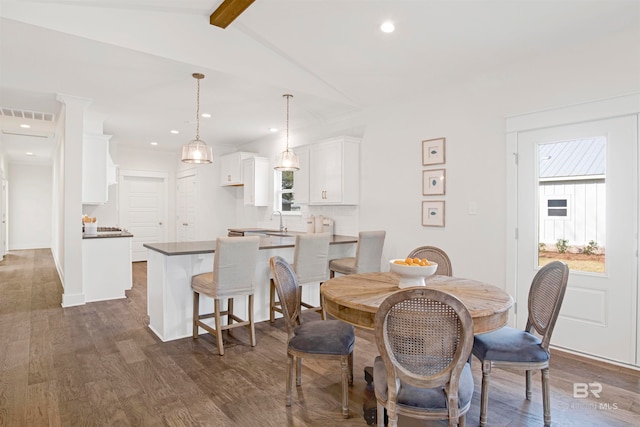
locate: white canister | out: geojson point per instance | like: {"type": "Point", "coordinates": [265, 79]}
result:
{"type": "Point", "coordinates": [319, 223]}
{"type": "Point", "coordinates": [311, 224]}
{"type": "Point", "coordinates": [327, 226]}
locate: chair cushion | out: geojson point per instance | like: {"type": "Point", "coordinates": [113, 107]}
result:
{"type": "Point", "coordinates": [323, 337]}
{"type": "Point", "coordinates": [344, 265]}
{"type": "Point", "coordinates": [509, 345]}
{"type": "Point", "coordinates": [427, 398]}
{"type": "Point", "coordinates": [202, 283]}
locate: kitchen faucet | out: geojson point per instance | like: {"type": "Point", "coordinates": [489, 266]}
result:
{"type": "Point", "coordinates": [279, 213]}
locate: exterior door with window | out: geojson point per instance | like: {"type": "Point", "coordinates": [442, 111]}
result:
{"type": "Point", "coordinates": [577, 198]}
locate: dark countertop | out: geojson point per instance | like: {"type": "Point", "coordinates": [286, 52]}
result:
{"type": "Point", "coordinates": [209, 246]}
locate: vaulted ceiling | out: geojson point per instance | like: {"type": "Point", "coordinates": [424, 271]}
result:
{"type": "Point", "coordinates": [134, 58]}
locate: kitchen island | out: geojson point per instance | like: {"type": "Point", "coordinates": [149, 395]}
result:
{"type": "Point", "coordinates": [170, 267]}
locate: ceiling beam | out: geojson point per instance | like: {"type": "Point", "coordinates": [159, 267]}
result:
{"type": "Point", "coordinates": [228, 11]}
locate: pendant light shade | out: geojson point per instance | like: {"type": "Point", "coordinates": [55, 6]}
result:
{"type": "Point", "coordinates": [196, 150]}
{"type": "Point", "coordinates": [287, 161]}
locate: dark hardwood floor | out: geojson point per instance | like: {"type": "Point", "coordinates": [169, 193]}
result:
{"type": "Point", "coordinates": [99, 364]}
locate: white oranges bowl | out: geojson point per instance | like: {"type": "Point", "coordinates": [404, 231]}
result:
{"type": "Point", "coordinates": [411, 275]}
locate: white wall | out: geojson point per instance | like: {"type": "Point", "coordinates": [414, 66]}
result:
{"type": "Point", "coordinates": [471, 115]}
{"type": "Point", "coordinates": [30, 206]}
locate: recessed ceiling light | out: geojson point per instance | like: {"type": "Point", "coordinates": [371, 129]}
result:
{"type": "Point", "coordinates": [25, 126]}
{"type": "Point", "coordinates": [206, 115]}
{"type": "Point", "coordinates": [273, 129]}
{"type": "Point", "coordinates": [175, 132]}
{"type": "Point", "coordinates": [29, 153]}
{"type": "Point", "coordinates": [387, 27]}
{"type": "Point", "coordinates": [153, 143]}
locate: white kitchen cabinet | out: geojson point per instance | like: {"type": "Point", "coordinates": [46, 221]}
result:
{"type": "Point", "coordinates": [106, 268]}
{"type": "Point", "coordinates": [301, 177]}
{"type": "Point", "coordinates": [334, 173]}
{"type": "Point", "coordinates": [255, 172]}
{"type": "Point", "coordinates": [96, 169]}
{"type": "Point", "coordinates": [231, 168]}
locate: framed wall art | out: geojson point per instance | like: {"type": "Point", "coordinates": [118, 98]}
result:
{"type": "Point", "coordinates": [433, 182]}
{"type": "Point", "coordinates": [433, 151]}
{"type": "Point", "coordinates": [433, 213]}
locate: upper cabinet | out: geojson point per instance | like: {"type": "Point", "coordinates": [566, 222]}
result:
{"type": "Point", "coordinates": [231, 168]}
{"type": "Point", "coordinates": [334, 172]}
{"type": "Point", "coordinates": [97, 169]}
{"type": "Point", "coordinates": [256, 181]}
{"type": "Point", "coordinates": [301, 177]}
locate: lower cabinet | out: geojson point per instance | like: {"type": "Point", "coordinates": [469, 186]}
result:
{"type": "Point", "coordinates": [106, 268]}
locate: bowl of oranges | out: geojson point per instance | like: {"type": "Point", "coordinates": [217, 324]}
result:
{"type": "Point", "coordinates": [412, 271]}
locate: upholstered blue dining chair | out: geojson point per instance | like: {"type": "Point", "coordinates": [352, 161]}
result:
{"type": "Point", "coordinates": [319, 339]}
{"type": "Point", "coordinates": [515, 348]}
{"type": "Point", "coordinates": [424, 337]}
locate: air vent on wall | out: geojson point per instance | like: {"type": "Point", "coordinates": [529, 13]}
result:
{"type": "Point", "coordinates": [24, 114]}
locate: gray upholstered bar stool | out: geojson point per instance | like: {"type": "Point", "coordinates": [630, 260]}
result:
{"type": "Point", "coordinates": [234, 271]}
{"type": "Point", "coordinates": [310, 262]}
{"type": "Point", "coordinates": [368, 254]}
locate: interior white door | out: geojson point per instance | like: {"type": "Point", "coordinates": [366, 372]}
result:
{"type": "Point", "coordinates": [143, 212]}
{"type": "Point", "coordinates": [186, 221]}
{"type": "Point", "coordinates": [598, 316]}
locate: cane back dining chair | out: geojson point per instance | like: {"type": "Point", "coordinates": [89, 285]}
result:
{"type": "Point", "coordinates": [234, 270]}
{"type": "Point", "coordinates": [436, 255]}
{"type": "Point", "coordinates": [310, 263]}
{"type": "Point", "coordinates": [424, 337]}
{"type": "Point", "coordinates": [515, 348]}
{"type": "Point", "coordinates": [368, 255]}
{"type": "Point", "coordinates": [320, 339]}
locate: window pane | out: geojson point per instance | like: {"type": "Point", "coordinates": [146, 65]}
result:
{"type": "Point", "coordinates": [557, 203]}
{"type": "Point", "coordinates": [287, 180]}
{"type": "Point", "coordinates": [287, 201]}
{"type": "Point", "coordinates": [557, 212]}
{"type": "Point", "coordinates": [572, 203]}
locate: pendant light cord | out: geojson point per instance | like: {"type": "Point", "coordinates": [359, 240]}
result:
{"type": "Point", "coordinates": [198, 111]}
{"type": "Point", "coordinates": [287, 130]}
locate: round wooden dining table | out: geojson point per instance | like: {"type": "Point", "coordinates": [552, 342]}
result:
{"type": "Point", "coordinates": [355, 298]}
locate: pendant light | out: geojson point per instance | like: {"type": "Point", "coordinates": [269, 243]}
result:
{"type": "Point", "coordinates": [197, 151]}
{"type": "Point", "coordinates": [288, 161]}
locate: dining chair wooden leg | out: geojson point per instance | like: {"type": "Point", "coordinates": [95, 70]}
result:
{"type": "Point", "coordinates": [546, 405]}
{"type": "Point", "coordinates": [462, 421]}
{"type": "Point", "coordinates": [290, 368]}
{"type": "Point", "coordinates": [272, 301]}
{"type": "Point", "coordinates": [252, 329]}
{"type": "Point", "coordinates": [484, 393]}
{"type": "Point", "coordinates": [218, 324]}
{"type": "Point", "coordinates": [298, 371]}
{"type": "Point", "coordinates": [196, 313]}
{"type": "Point", "coordinates": [527, 385]}
{"type": "Point", "coordinates": [344, 367]}
{"type": "Point", "coordinates": [380, 415]}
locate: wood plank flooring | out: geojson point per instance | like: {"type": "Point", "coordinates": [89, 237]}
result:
{"type": "Point", "coordinates": [99, 364]}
